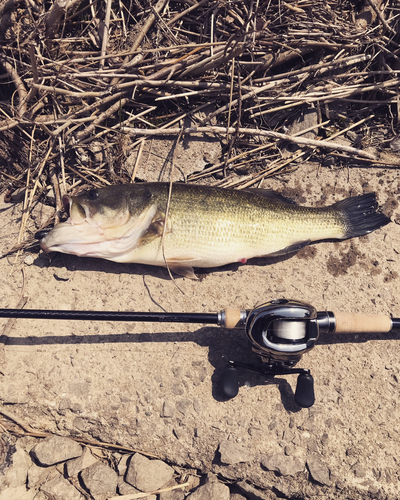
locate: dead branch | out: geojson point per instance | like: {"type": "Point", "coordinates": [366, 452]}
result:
{"type": "Point", "coordinates": [105, 33]}
{"type": "Point", "coordinates": [20, 87]}
{"type": "Point", "coordinates": [6, 9]}
{"type": "Point", "coordinates": [150, 20]}
{"type": "Point", "coordinates": [376, 7]}
{"type": "Point", "coordinates": [53, 17]}
{"type": "Point", "coordinates": [103, 116]}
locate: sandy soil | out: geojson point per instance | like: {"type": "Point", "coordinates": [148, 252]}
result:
{"type": "Point", "coordinates": [155, 386]}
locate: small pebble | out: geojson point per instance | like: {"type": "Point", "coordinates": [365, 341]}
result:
{"type": "Point", "coordinates": [29, 260]}
{"type": "Point", "coordinates": [62, 274]}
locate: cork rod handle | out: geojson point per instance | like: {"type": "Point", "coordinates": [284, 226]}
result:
{"type": "Point", "coordinates": [362, 323]}
{"type": "Point", "coordinates": [232, 318]}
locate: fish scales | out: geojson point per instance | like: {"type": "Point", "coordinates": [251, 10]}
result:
{"type": "Point", "coordinates": [205, 227]}
{"type": "Point", "coordinates": [228, 225]}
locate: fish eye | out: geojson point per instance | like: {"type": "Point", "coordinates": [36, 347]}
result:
{"type": "Point", "coordinates": [92, 195]}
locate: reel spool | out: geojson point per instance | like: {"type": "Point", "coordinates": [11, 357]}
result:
{"type": "Point", "coordinates": [280, 332]}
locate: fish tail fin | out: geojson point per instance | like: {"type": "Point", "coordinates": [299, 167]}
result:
{"type": "Point", "coordinates": [360, 215]}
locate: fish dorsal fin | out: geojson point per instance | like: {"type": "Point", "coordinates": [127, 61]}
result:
{"type": "Point", "coordinates": [270, 195]}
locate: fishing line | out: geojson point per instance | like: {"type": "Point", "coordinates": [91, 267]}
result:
{"type": "Point", "coordinates": [167, 211]}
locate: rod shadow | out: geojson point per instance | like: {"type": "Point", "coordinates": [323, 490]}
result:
{"type": "Point", "coordinates": [224, 345]}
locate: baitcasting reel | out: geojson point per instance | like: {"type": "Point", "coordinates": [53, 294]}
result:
{"type": "Point", "coordinates": [280, 332]}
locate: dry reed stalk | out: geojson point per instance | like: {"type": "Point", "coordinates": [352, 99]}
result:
{"type": "Point", "coordinates": [272, 169]}
{"type": "Point", "coordinates": [206, 172]}
{"type": "Point", "coordinates": [135, 496]}
{"type": "Point", "coordinates": [165, 224]}
{"type": "Point", "coordinates": [105, 33]}
{"type": "Point", "coordinates": [150, 20]}
{"type": "Point", "coordinates": [28, 202]}
{"type": "Point", "coordinates": [230, 97]}
{"type": "Point", "coordinates": [252, 132]}
{"type": "Point", "coordinates": [19, 85]}
{"type": "Point", "coordinates": [164, 63]}
{"type": "Point", "coordinates": [218, 166]}
{"type": "Point", "coordinates": [137, 161]}
{"type": "Point", "coordinates": [100, 119]}
{"type": "Point", "coordinates": [32, 92]}
{"type": "Point", "coordinates": [24, 207]}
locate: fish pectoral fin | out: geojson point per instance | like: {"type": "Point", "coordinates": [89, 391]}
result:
{"type": "Point", "coordinates": [152, 232]}
{"type": "Point", "coordinates": [155, 229]}
{"type": "Point", "coordinates": [183, 267]}
{"type": "Point", "coordinates": [290, 249]}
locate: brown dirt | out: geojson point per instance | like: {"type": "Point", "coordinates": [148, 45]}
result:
{"type": "Point", "coordinates": [155, 386]}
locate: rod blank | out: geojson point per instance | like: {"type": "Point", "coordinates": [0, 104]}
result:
{"type": "Point", "coordinates": [163, 317]}
{"type": "Point", "coordinates": [329, 322]}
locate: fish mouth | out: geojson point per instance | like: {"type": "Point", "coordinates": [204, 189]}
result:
{"type": "Point", "coordinates": [75, 234]}
{"type": "Point", "coordinates": [77, 212]}
{"type": "Point", "coordinates": [77, 239]}
{"type": "Point", "coordinates": [39, 235]}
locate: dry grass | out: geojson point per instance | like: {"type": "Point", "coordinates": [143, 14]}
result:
{"type": "Point", "coordinates": [78, 73]}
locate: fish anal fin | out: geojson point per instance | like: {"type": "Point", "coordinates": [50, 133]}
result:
{"type": "Point", "coordinates": [183, 267]}
{"type": "Point", "coordinates": [290, 249]}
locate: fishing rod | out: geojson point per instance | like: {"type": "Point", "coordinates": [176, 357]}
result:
{"type": "Point", "coordinates": [279, 331]}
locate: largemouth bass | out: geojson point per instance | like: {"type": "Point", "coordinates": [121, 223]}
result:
{"type": "Point", "coordinates": [205, 227]}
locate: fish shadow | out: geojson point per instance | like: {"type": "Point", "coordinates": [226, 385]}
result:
{"type": "Point", "coordinates": [58, 261]}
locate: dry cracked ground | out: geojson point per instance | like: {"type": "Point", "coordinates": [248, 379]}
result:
{"type": "Point", "coordinates": [154, 387]}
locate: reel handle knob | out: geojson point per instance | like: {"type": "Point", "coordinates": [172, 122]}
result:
{"type": "Point", "coordinates": [230, 382]}
{"type": "Point", "coordinates": [304, 395]}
